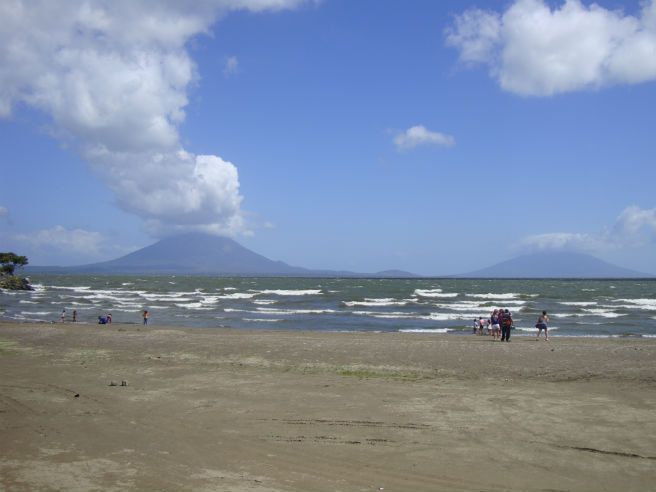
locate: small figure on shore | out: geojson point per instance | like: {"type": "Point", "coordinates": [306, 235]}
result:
{"type": "Point", "coordinates": [62, 316]}
{"type": "Point", "coordinates": [102, 320]}
{"type": "Point", "coordinates": [506, 325]}
{"type": "Point", "coordinates": [477, 326]}
{"type": "Point", "coordinates": [543, 319]}
{"type": "Point", "coordinates": [146, 314]}
{"type": "Point", "coordinates": [109, 318]}
{"type": "Point", "coordinates": [74, 315]}
{"type": "Point", "coordinates": [494, 325]}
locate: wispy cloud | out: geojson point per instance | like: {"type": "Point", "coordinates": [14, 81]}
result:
{"type": "Point", "coordinates": [231, 66]}
{"type": "Point", "coordinates": [533, 49]}
{"type": "Point", "coordinates": [4, 212]}
{"type": "Point", "coordinates": [62, 243]}
{"type": "Point", "coordinates": [420, 135]}
{"type": "Point", "coordinates": [58, 238]}
{"type": "Point", "coordinates": [634, 227]}
{"type": "Point", "coordinates": [113, 78]}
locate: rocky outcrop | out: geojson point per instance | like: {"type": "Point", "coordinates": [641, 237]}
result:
{"type": "Point", "coordinates": [12, 282]}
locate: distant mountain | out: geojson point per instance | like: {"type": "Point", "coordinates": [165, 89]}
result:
{"type": "Point", "coordinates": [194, 253]}
{"type": "Point", "coordinates": [555, 265]}
{"type": "Point", "coordinates": [395, 274]}
{"type": "Point", "coordinates": [203, 254]}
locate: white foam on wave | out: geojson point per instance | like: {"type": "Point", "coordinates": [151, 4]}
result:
{"type": "Point", "coordinates": [421, 292]}
{"type": "Point", "coordinates": [262, 320]}
{"type": "Point", "coordinates": [37, 313]}
{"type": "Point", "coordinates": [452, 316]}
{"type": "Point", "coordinates": [647, 304]}
{"type": "Point", "coordinates": [283, 292]}
{"type": "Point", "coordinates": [577, 303]}
{"type": "Point", "coordinates": [74, 288]}
{"type": "Point", "coordinates": [426, 330]}
{"type": "Point", "coordinates": [434, 293]}
{"type": "Point", "coordinates": [196, 306]}
{"type": "Point", "coordinates": [391, 314]}
{"type": "Point", "coordinates": [22, 301]}
{"type": "Point", "coordinates": [463, 306]}
{"type": "Point", "coordinates": [237, 295]}
{"type": "Point", "coordinates": [507, 295]}
{"type": "Point", "coordinates": [603, 312]}
{"type": "Point", "coordinates": [294, 311]}
{"type": "Point", "coordinates": [388, 301]}
{"type": "Point", "coordinates": [230, 288]}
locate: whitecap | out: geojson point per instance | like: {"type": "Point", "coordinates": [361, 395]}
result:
{"type": "Point", "coordinates": [264, 302]}
{"type": "Point", "coordinates": [421, 292]}
{"type": "Point", "coordinates": [237, 295]}
{"type": "Point", "coordinates": [283, 292]}
{"type": "Point", "coordinates": [294, 311]}
{"type": "Point", "coordinates": [508, 295]}
{"type": "Point", "coordinates": [376, 302]}
{"type": "Point", "coordinates": [648, 304]}
{"type": "Point", "coordinates": [603, 312]}
{"type": "Point", "coordinates": [197, 306]}
{"type": "Point", "coordinates": [27, 302]}
{"type": "Point", "coordinates": [577, 303]}
{"type": "Point", "coordinates": [262, 320]}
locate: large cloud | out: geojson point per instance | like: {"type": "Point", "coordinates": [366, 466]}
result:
{"type": "Point", "coordinates": [634, 227]}
{"type": "Point", "coordinates": [534, 50]}
{"type": "Point", "coordinates": [113, 76]}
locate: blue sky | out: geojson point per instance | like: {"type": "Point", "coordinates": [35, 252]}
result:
{"type": "Point", "coordinates": [435, 137]}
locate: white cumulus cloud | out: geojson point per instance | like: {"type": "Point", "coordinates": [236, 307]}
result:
{"type": "Point", "coordinates": [533, 49]}
{"type": "Point", "coordinates": [420, 135]}
{"type": "Point", "coordinates": [634, 227]}
{"type": "Point", "coordinates": [113, 77]}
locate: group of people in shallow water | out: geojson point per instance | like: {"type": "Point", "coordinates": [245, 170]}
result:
{"type": "Point", "coordinates": [500, 323]}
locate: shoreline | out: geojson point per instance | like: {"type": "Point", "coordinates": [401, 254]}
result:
{"type": "Point", "coordinates": [464, 332]}
{"type": "Point", "coordinates": [272, 410]}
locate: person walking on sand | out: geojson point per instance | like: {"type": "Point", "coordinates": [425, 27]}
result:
{"type": "Point", "coordinates": [62, 316]}
{"type": "Point", "coordinates": [146, 314]}
{"type": "Point", "coordinates": [74, 315]}
{"type": "Point", "coordinates": [109, 318]}
{"type": "Point", "coordinates": [506, 325]}
{"type": "Point", "coordinates": [543, 319]}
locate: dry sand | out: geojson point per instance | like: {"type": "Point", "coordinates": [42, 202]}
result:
{"type": "Point", "coordinates": [236, 410]}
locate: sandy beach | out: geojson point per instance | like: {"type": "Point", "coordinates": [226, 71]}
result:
{"type": "Point", "coordinates": [125, 407]}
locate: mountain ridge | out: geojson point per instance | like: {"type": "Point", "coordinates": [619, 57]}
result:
{"type": "Point", "coordinates": [203, 254]}
{"type": "Point", "coordinates": [555, 264]}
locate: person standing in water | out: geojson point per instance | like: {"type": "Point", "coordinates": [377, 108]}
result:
{"type": "Point", "coordinates": [543, 319]}
{"type": "Point", "coordinates": [62, 316]}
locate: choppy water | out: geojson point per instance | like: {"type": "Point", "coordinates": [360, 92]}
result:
{"type": "Point", "coordinates": [576, 307]}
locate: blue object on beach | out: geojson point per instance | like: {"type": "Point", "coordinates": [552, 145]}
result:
{"type": "Point", "coordinates": [102, 320]}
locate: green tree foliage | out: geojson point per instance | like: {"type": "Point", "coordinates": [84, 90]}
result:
{"type": "Point", "coordinates": [9, 262]}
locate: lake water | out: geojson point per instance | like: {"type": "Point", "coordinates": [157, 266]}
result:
{"type": "Point", "coordinates": [576, 307]}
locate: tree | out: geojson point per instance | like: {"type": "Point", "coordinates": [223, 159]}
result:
{"type": "Point", "coordinates": [9, 262]}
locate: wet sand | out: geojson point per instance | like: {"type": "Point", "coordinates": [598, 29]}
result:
{"type": "Point", "coordinates": [236, 410]}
